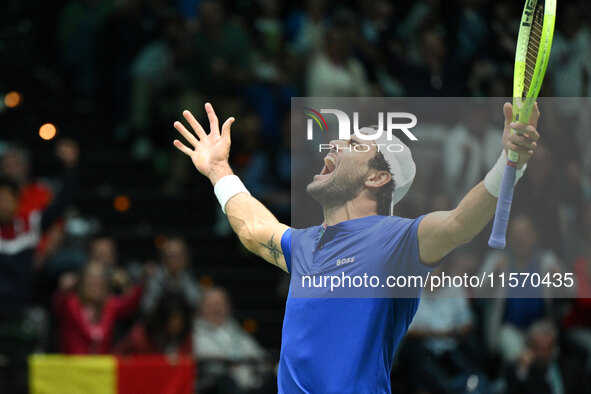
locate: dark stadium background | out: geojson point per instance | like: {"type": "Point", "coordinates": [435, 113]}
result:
{"type": "Point", "coordinates": [82, 66]}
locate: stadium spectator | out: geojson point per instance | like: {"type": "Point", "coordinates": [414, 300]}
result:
{"type": "Point", "coordinates": [225, 351]}
{"type": "Point", "coordinates": [104, 251]}
{"type": "Point", "coordinates": [441, 349]}
{"type": "Point", "coordinates": [433, 72]}
{"type": "Point", "coordinates": [16, 165]}
{"type": "Point", "coordinates": [134, 23]}
{"type": "Point", "coordinates": [156, 79]}
{"type": "Point", "coordinates": [540, 198]}
{"type": "Point", "coordinates": [570, 65]}
{"type": "Point", "coordinates": [87, 317]}
{"type": "Point", "coordinates": [305, 29]}
{"type": "Point", "coordinates": [172, 277]}
{"type": "Point", "coordinates": [268, 172]}
{"type": "Point", "coordinates": [22, 326]}
{"type": "Point", "coordinates": [222, 60]}
{"type": "Point", "coordinates": [20, 233]}
{"type": "Point", "coordinates": [335, 72]}
{"type": "Point", "coordinates": [470, 148]}
{"type": "Point", "coordinates": [34, 195]}
{"type": "Point", "coordinates": [167, 331]}
{"type": "Point", "coordinates": [543, 368]}
{"type": "Point", "coordinates": [514, 309]}
{"type": "Point", "coordinates": [79, 25]}
{"type": "Point", "coordinates": [577, 322]}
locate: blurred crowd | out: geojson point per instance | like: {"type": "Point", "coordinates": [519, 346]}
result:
{"type": "Point", "coordinates": [99, 306]}
{"type": "Point", "coordinates": [139, 63]}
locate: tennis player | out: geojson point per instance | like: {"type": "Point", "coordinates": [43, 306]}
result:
{"type": "Point", "coordinates": [347, 345]}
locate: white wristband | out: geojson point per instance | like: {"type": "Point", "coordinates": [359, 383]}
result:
{"type": "Point", "coordinates": [228, 187]}
{"type": "Point", "coordinates": [494, 178]}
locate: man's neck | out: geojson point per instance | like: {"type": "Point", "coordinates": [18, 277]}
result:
{"type": "Point", "coordinates": [357, 208]}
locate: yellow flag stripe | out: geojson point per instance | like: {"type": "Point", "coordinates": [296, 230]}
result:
{"type": "Point", "coordinates": [59, 374]}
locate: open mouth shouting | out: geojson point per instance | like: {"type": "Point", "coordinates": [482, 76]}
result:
{"type": "Point", "coordinates": [330, 165]}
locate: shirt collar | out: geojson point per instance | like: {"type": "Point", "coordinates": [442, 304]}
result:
{"type": "Point", "coordinates": [354, 224]}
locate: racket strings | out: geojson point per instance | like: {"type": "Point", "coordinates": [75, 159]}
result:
{"type": "Point", "coordinates": [533, 46]}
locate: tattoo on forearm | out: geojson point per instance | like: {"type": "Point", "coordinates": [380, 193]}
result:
{"type": "Point", "coordinates": [274, 251]}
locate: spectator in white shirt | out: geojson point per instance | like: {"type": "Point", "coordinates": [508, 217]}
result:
{"type": "Point", "coordinates": [334, 72]}
{"type": "Point", "coordinates": [227, 354]}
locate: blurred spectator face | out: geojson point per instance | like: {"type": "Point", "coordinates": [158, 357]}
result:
{"type": "Point", "coordinates": [173, 31]}
{"type": "Point", "coordinates": [522, 236]}
{"type": "Point", "coordinates": [15, 165]}
{"type": "Point", "coordinates": [215, 306]}
{"type": "Point", "coordinates": [316, 8]}
{"type": "Point", "coordinates": [464, 262]}
{"type": "Point", "coordinates": [543, 347]}
{"type": "Point", "coordinates": [210, 14]}
{"type": "Point", "coordinates": [8, 204]}
{"type": "Point", "coordinates": [249, 131]}
{"type": "Point", "coordinates": [269, 8]}
{"type": "Point", "coordinates": [104, 251]}
{"type": "Point", "coordinates": [540, 165]}
{"type": "Point", "coordinates": [571, 20]}
{"type": "Point", "coordinates": [587, 223]}
{"type": "Point", "coordinates": [336, 46]}
{"type": "Point", "coordinates": [433, 45]}
{"type": "Point", "coordinates": [175, 323]}
{"type": "Point", "coordinates": [477, 119]}
{"type": "Point", "coordinates": [94, 284]}
{"type": "Point", "coordinates": [175, 256]}
{"type": "Point", "coordinates": [542, 343]}
{"type": "Point", "coordinates": [382, 11]}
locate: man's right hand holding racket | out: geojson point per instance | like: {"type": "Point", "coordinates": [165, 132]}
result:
{"type": "Point", "coordinates": [525, 139]}
{"type": "Point", "coordinates": [442, 231]}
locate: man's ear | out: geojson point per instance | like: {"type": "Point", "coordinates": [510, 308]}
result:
{"type": "Point", "coordinates": [377, 179]}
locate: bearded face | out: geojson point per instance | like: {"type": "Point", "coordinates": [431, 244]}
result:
{"type": "Point", "coordinates": [341, 179]}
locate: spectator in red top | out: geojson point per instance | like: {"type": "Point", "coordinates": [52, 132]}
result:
{"type": "Point", "coordinates": [34, 195]}
{"type": "Point", "coordinates": [103, 249]}
{"type": "Point", "coordinates": [19, 234]}
{"type": "Point", "coordinates": [87, 318]}
{"type": "Point", "coordinates": [167, 331]}
{"type": "Point", "coordinates": [578, 321]}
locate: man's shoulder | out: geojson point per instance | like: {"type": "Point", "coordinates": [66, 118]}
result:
{"type": "Point", "coordinates": [303, 231]}
{"type": "Point", "coordinates": [400, 223]}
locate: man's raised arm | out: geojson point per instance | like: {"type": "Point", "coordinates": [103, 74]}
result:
{"type": "Point", "coordinates": [441, 232]}
{"type": "Point", "coordinates": [259, 231]}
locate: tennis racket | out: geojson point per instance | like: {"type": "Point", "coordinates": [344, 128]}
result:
{"type": "Point", "coordinates": [531, 59]}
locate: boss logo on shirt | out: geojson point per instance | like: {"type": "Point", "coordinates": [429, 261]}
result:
{"type": "Point", "coordinates": [346, 260]}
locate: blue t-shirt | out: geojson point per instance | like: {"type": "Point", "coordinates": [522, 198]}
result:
{"type": "Point", "coordinates": [346, 345]}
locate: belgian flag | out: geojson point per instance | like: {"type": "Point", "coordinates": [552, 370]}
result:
{"type": "Point", "coordinates": [60, 374]}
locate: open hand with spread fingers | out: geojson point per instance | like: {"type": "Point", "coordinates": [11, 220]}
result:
{"type": "Point", "coordinates": [209, 152]}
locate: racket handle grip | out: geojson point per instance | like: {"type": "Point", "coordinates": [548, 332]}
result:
{"type": "Point", "coordinates": [499, 230]}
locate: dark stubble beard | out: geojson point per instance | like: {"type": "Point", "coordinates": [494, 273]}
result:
{"type": "Point", "coordinates": [343, 186]}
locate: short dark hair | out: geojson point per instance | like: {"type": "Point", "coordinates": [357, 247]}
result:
{"type": "Point", "coordinates": [384, 193]}
{"type": "Point", "coordinates": [156, 320]}
{"type": "Point", "coordinates": [10, 184]}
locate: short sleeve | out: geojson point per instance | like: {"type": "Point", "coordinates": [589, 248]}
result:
{"type": "Point", "coordinates": [401, 236]}
{"type": "Point", "coordinates": [286, 248]}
